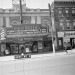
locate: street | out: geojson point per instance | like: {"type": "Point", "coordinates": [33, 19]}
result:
{"type": "Point", "coordinates": [42, 64]}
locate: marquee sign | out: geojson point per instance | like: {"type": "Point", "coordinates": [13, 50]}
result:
{"type": "Point", "coordinates": [26, 30]}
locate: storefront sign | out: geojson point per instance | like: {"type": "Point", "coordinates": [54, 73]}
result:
{"type": "Point", "coordinates": [66, 34]}
{"type": "Point", "coordinates": [60, 34]}
{"type": "Point", "coordinates": [69, 34]}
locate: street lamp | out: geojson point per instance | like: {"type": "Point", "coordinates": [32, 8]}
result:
{"type": "Point", "coordinates": [20, 11]}
{"type": "Point", "coordinates": [51, 28]}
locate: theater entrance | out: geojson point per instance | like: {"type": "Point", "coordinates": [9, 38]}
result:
{"type": "Point", "coordinates": [12, 47]}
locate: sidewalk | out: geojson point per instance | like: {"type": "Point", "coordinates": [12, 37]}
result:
{"type": "Point", "coordinates": [11, 58]}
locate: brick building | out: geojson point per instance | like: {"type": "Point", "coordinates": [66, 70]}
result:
{"type": "Point", "coordinates": [64, 17]}
{"type": "Point", "coordinates": [34, 32]}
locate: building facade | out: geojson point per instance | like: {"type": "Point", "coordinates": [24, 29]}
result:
{"type": "Point", "coordinates": [64, 19]}
{"type": "Point", "coordinates": [34, 32]}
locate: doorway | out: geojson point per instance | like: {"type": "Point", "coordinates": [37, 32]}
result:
{"type": "Point", "coordinates": [72, 40]}
{"type": "Point", "coordinates": [60, 43]}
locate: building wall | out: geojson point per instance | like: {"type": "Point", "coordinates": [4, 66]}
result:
{"type": "Point", "coordinates": [1, 21]}
{"type": "Point", "coordinates": [64, 15]}
{"type": "Point", "coordinates": [13, 18]}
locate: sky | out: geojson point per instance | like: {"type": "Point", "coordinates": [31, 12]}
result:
{"type": "Point", "coordinates": [42, 4]}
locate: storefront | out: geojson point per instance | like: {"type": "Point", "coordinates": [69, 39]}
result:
{"type": "Point", "coordinates": [26, 39]}
{"type": "Point", "coordinates": [35, 45]}
{"type": "Point", "coordinates": [68, 38]}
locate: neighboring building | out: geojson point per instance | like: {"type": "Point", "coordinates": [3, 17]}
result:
{"type": "Point", "coordinates": [64, 17]}
{"type": "Point", "coordinates": [34, 32]}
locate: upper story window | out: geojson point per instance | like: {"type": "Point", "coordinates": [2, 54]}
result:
{"type": "Point", "coordinates": [68, 26]}
{"type": "Point", "coordinates": [66, 11]}
{"type": "Point", "coordinates": [26, 22]}
{"type": "Point", "coordinates": [15, 22]}
{"type": "Point", "coordinates": [46, 22]}
{"type": "Point", "coordinates": [61, 25]}
{"type": "Point", "coordinates": [74, 24]}
{"type": "Point", "coordinates": [32, 19]}
{"type": "Point", "coordinates": [73, 11]}
{"type": "Point", "coordinates": [60, 11]}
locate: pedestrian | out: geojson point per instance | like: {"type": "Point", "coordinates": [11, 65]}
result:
{"type": "Point", "coordinates": [65, 45]}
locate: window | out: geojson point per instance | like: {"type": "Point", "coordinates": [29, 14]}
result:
{"type": "Point", "coordinates": [15, 22]}
{"type": "Point", "coordinates": [68, 25]}
{"type": "Point", "coordinates": [61, 26]}
{"type": "Point", "coordinates": [46, 22]}
{"type": "Point", "coordinates": [26, 22]}
{"type": "Point", "coordinates": [74, 24]}
{"type": "Point", "coordinates": [60, 11]}
{"type": "Point", "coordinates": [73, 11]}
{"type": "Point", "coordinates": [66, 10]}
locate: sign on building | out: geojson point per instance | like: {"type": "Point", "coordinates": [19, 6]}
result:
{"type": "Point", "coordinates": [26, 30]}
{"type": "Point", "coordinates": [2, 34]}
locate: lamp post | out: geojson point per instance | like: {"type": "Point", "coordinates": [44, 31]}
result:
{"type": "Point", "coordinates": [51, 29]}
{"type": "Point", "coordinates": [20, 11]}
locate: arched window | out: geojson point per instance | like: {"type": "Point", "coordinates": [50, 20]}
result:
{"type": "Point", "coordinates": [26, 22]}
{"type": "Point", "coordinates": [46, 22]}
{"type": "Point", "coordinates": [15, 22]}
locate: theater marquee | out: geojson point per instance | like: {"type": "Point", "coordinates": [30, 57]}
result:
{"type": "Point", "coordinates": [26, 30]}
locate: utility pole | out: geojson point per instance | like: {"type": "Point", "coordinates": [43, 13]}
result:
{"type": "Point", "coordinates": [21, 20]}
{"type": "Point", "coordinates": [51, 28]}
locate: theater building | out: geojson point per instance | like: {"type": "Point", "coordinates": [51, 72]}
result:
{"type": "Point", "coordinates": [34, 32]}
{"type": "Point", "coordinates": [64, 16]}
